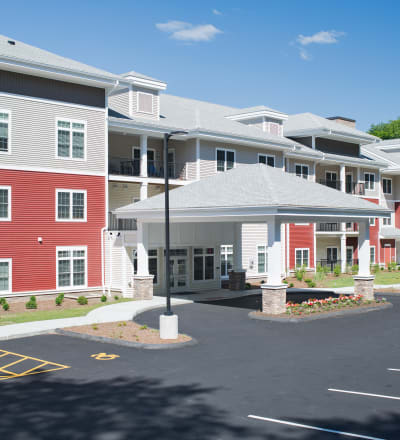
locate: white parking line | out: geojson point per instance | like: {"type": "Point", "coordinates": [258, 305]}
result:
{"type": "Point", "coordinates": [394, 369]}
{"type": "Point", "coordinates": [315, 428]}
{"type": "Point", "coordinates": [365, 394]}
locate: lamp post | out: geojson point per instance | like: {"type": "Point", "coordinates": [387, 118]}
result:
{"type": "Point", "coordinates": [168, 321]}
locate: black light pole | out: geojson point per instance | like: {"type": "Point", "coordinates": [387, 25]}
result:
{"type": "Point", "coordinates": [167, 136]}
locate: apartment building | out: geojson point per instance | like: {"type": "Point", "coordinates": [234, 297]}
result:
{"type": "Point", "coordinates": [77, 142]}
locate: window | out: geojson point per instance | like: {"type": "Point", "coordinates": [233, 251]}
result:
{"type": "Point", "coordinates": [4, 131]}
{"type": "Point", "coordinates": [203, 264]}
{"type": "Point", "coordinates": [372, 221]}
{"type": "Point", "coordinates": [302, 257]}
{"type": "Point", "coordinates": [349, 256]}
{"type": "Point", "coordinates": [267, 160]}
{"type": "Point", "coordinates": [71, 267]}
{"type": "Point", "coordinates": [387, 221]}
{"type": "Point", "coordinates": [71, 139]}
{"type": "Point", "coordinates": [5, 203]}
{"type": "Point", "coordinates": [262, 258]}
{"type": "Point", "coordinates": [302, 171]}
{"type": "Point", "coordinates": [225, 159]}
{"type": "Point", "coordinates": [387, 186]}
{"type": "Point", "coordinates": [153, 264]}
{"type": "Point", "coordinates": [372, 254]}
{"type": "Point", "coordinates": [226, 260]}
{"type": "Point", "coordinates": [369, 179]}
{"type": "Point", "coordinates": [145, 102]}
{"type": "Point", "coordinates": [71, 205]}
{"type": "Point", "coordinates": [332, 254]}
{"type": "Point", "coordinates": [5, 275]}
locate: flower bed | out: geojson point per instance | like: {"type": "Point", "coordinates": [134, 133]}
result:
{"type": "Point", "coordinates": [329, 304]}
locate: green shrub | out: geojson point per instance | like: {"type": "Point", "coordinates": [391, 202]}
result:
{"type": "Point", "coordinates": [375, 268]}
{"type": "Point", "coordinates": [299, 273]}
{"type": "Point", "coordinates": [82, 300]}
{"type": "Point", "coordinates": [116, 297]}
{"type": "Point", "coordinates": [103, 298]}
{"type": "Point", "coordinates": [31, 304]}
{"type": "Point", "coordinates": [308, 280]}
{"type": "Point", "coordinates": [59, 299]}
{"type": "Point", "coordinates": [248, 286]}
{"type": "Point", "coordinates": [336, 270]}
{"type": "Point", "coordinates": [391, 266]}
{"type": "Point", "coordinates": [5, 306]}
{"type": "Point", "coordinates": [354, 269]}
{"type": "Point", "coordinates": [382, 268]}
{"type": "Point", "coordinates": [291, 285]}
{"type": "Point", "coordinates": [319, 275]}
{"type": "Point", "coordinates": [2, 301]}
{"type": "Point", "coordinates": [285, 281]}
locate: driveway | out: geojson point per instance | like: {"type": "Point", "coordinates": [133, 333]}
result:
{"type": "Point", "coordinates": [305, 374]}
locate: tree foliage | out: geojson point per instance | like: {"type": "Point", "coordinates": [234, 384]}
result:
{"type": "Point", "coordinates": [386, 130]}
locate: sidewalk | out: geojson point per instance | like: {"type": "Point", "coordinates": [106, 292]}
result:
{"type": "Point", "coordinates": [116, 312]}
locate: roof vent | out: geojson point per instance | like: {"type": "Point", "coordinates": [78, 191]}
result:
{"type": "Point", "coordinates": [11, 42]}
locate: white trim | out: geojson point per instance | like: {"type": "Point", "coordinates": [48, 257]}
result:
{"type": "Point", "coordinates": [138, 93]}
{"type": "Point", "coordinates": [51, 170]}
{"type": "Point", "coordinates": [157, 257]}
{"type": "Point", "coordinates": [225, 150]}
{"type": "Point", "coordinates": [71, 131]}
{"type": "Point", "coordinates": [52, 101]}
{"type": "Point", "coordinates": [369, 181]}
{"type": "Point", "coordinates": [391, 185]}
{"type": "Point", "coordinates": [266, 158]}
{"type": "Point", "coordinates": [374, 247]}
{"type": "Point", "coordinates": [71, 249]}
{"type": "Point", "coordinates": [265, 245]}
{"type": "Point", "coordinates": [9, 123]}
{"type": "Point", "coordinates": [331, 172]}
{"type": "Point", "coordinates": [9, 210]}
{"type": "Point", "coordinates": [266, 113]}
{"type": "Point", "coordinates": [198, 159]}
{"type": "Point", "coordinates": [373, 221]}
{"type": "Point", "coordinates": [71, 192]}
{"type": "Point", "coordinates": [302, 258]}
{"type": "Point", "coordinates": [203, 255]}
{"type": "Point", "coordinates": [302, 165]}
{"type": "Point", "coordinates": [226, 253]}
{"type": "Point", "coordinates": [9, 261]}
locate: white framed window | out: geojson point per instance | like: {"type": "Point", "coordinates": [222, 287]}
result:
{"type": "Point", "coordinates": [5, 203]}
{"type": "Point", "coordinates": [349, 255]}
{"type": "Point", "coordinates": [372, 221]}
{"type": "Point", "coordinates": [302, 257]}
{"type": "Point", "coordinates": [71, 205]}
{"type": "Point", "coordinates": [203, 264]}
{"type": "Point", "coordinates": [153, 264]}
{"type": "Point", "coordinates": [387, 186]}
{"type": "Point", "coordinates": [387, 221]}
{"type": "Point", "coordinates": [369, 179]}
{"type": "Point", "coordinates": [5, 275]}
{"type": "Point", "coordinates": [71, 267]}
{"type": "Point", "coordinates": [226, 159]}
{"type": "Point", "coordinates": [302, 170]}
{"type": "Point", "coordinates": [145, 102]}
{"type": "Point", "coordinates": [266, 159]}
{"type": "Point", "coordinates": [262, 258]}
{"type": "Point", "coordinates": [5, 132]}
{"type": "Point", "coordinates": [372, 254]}
{"type": "Point", "coordinates": [71, 139]}
{"type": "Point", "coordinates": [226, 259]}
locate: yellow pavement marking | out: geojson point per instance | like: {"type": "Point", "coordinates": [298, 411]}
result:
{"type": "Point", "coordinates": [104, 356]}
{"type": "Point", "coordinates": [52, 366]}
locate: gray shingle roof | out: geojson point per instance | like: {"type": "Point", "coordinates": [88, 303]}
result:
{"type": "Point", "coordinates": [255, 185]}
{"type": "Point", "coordinates": [390, 232]}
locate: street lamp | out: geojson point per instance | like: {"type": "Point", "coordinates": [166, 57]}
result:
{"type": "Point", "coordinates": [168, 321]}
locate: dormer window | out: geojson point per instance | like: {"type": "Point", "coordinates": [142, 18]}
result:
{"type": "Point", "coordinates": [275, 128]}
{"type": "Point", "coordinates": [145, 102]}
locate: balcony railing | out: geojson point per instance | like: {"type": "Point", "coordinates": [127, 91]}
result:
{"type": "Point", "coordinates": [131, 167]}
{"type": "Point", "coordinates": [328, 227]}
{"type": "Point", "coordinates": [330, 264]}
{"type": "Point", "coordinates": [351, 227]}
{"type": "Point", "coordinates": [121, 224]}
{"type": "Point", "coordinates": [331, 183]}
{"type": "Point", "coordinates": [355, 188]}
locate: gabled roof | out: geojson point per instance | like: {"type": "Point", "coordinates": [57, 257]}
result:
{"type": "Point", "coordinates": [303, 124]}
{"type": "Point", "coordinates": [255, 186]}
{"type": "Point", "coordinates": [257, 111]}
{"type": "Point", "coordinates": [138, 75]}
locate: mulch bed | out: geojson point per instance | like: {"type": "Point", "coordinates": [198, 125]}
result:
{"type": "Point", "coordinates": [127, 331]}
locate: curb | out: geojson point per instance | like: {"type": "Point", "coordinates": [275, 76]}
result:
{"type": "Point", "coordinates": [338, 314]}
{"type": "Point", "coordinates": [126, 343]}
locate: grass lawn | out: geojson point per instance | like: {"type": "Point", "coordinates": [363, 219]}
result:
{"type": "Point", "coordinates": [43, 315]}
{"type": "Point", "coordinates": [347, 280]}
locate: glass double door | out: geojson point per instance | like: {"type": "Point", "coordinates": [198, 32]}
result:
{"type": "Point", "coordinates": [178, 264]}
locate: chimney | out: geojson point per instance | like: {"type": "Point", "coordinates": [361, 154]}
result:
{"type": "Point", "coordinates": [342, 120]}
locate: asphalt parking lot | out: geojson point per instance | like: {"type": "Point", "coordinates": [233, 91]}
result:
{"type": "Point", "coordinates": [247, 379]}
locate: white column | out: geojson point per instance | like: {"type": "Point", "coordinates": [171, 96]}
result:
{"type": "Point", "coordinates": [197, 159]}
{"type": "Point", "coordinates": [379, 183]}
{"type": "Point", "coordinates": [314, 168]}
{"type": "Point", "coordinates": [237, 248]}
{"type": "Point", "coordinates": [143, 155]}
{"type": "Point", "coordinates": [343, 252]}
{"type": "Point", "coordinates": [342, 178]}
{"type": "Point", "coordinates": [143, 190]}
{"type": "Point", "coordinates": [274, 252]}
{"type": "Point", "coordinates": [313, 142]}
{"type": "Point", "coordinates": [363, 248]}
{"type": "Point", "coordinates": [142, 248]}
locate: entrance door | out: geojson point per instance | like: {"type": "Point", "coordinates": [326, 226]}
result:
{"type": "Point", "coordinates": [349, 183]}
{"type": "Point", "coordinates": [226, 260]}
{"type": "Point", "coordinates": [388, 254]}
{"type": "Point", "coordinates": [331, 179]}
{"type": "Point", "coordinates": [178, 269]}
{"type": "Point", "coordinates": [331, 254]}
{"type": "Point", "coordinates": [349, 256]}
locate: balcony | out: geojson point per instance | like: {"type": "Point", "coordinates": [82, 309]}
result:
{"type": "Point", "coordinates": [121, 224]}
{"type": "Point", "coordinates": [351, 227]}
{"type": "Point", "coordinates": [331, 183]}
{"type": "Point", "coordinates": [357, 189]}
{"type": "Point", "coordinates": [131, 167]}
{"type": "Point", "coordinates": [328, 227]}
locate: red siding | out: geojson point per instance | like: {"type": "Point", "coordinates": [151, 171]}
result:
{"type": "Point", "coordinates": [300, 236]}
{"type": "Point", "coordinates": [353, 242]}
{"type": "Point", "coordinates": [33, 215]}
{"type": "Point", "coordinates": [397, 214]}
{"type": "Point", "coordinates": [374, 235]}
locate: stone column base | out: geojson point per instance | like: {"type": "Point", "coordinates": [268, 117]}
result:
{"type": "Point", "coordinates": [237, 280]}
{"type": "Point", "coordinates": [364, 285]}
{"type": "Point", "coordinates": [273, 299]}
{"type": "Point", "coordinates": [143, 286]}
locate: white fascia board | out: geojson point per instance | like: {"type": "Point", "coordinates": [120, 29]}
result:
{"type": "Point", "coordinates": [328, 133]}
{"type": "Point", "coordinates": [267, 113]}
{"type": "Point", "coordinates": [147, 83]}
{"type": "Point", "coordinates": [354, 162]}
{"type": "Point", "coordinates": [303, 154]}
{"type": "Point", "coordinates": [367, 152]}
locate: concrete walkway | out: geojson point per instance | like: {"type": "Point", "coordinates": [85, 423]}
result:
{"type": "Point", "coordinates": [124, 311]}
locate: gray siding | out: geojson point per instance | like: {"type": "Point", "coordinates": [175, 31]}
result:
{"type": "Point", "coordinates": [156, 103]}
{"type": "Point", "coordinates": [119, 102]}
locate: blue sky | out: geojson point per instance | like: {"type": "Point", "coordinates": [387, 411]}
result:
{"type": "Point", "coordinates": [329, 58]}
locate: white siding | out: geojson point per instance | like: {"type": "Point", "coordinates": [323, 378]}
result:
{"type": "Point", "coordinates": [119, 101]}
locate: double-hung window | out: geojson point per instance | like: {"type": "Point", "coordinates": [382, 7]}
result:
{"type": "Point", "coordinates": [372, 254]}
{"type": "Point", "coordinates": [225, 159]}
{"type": "Point", "coordinates": [387, 186]}
{"type": "Point", "coordinates": [5, 120]}
{"type": "Point", "coordinates": [302, 171]}
{"type": "Point", "coordinates": [71, 139]}
{"type": "Point", "coordinates": [262, 259]}
{"type": "Point", "coordinates": [387, 221]}
{"type": "Point", "coordinates": [266, 159]}
{"type": "Point", "coordinates": [5, 275]}
{"type": "Point", "coordinates": [153, 264]}
{"type": "Point", "coordinates": [203, 264]}
{"type": "Point", "coordinates": [71, 267]}
{"type": "Point", "coordinates": [71, 205]}
{"type": "Point", "coordinates": [302, 257]}
{"type": "Point", "coordinates": [226, 259]}
{"type": "Point", "coordinates": [369, 179]}
{"type": "Point", "coordinates": [5, 203]}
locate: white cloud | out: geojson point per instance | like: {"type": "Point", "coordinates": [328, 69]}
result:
{"type": "Point", "coordinates": [183, 31]}
{"type": "Point", "coordinates": [216, 12]}
{"type": "Point", "coordinates": [322, 37]}
{"type": "Point", "coordinates": [304, 55]}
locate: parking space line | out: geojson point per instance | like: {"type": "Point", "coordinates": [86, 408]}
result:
{"type": "Point", "coordinates": [365, 394]}
{"type": "Point", "coordinates": [314, 428]}
{"type": "Point", "coordinates": [394, 369]}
